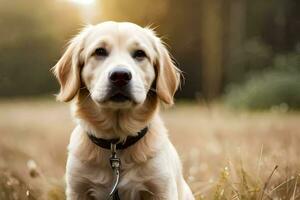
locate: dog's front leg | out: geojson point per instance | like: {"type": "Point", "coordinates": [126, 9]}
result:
{"type": "Point", "coordinates": [78, 186]}
{"type": "Point", "coordinates": [161, 189]}
{"type": "Point", "coordinates": [171, 191]}
{"type": "Point", "coordinates": [72, 195]}
{"type": "Point", "coordinates": [77, 191]}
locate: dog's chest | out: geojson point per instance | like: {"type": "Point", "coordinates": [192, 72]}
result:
{"type": "Point", "coordinates": [131, 185]}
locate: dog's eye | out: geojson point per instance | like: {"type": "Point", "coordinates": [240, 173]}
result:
{"type": "Point", "coordinates": [139, 54]}
{"type": "Point", "coordinates": [101, 52]}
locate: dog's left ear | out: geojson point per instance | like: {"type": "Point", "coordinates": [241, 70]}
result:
{"type": "Point", "coordinates": [67, 73]}
{"type": "Point", "coordinates": [168, 75]}
{"type": "Point", "coordinates": [67, 69]}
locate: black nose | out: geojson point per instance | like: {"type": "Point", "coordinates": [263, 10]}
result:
{"type": "Point", "coordinates": [120, 76]}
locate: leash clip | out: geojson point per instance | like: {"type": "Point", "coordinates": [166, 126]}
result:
{"type": "Point", "coordinates": [115, 164]}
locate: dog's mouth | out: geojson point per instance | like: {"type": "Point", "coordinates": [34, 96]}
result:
{"type": "Point", "coordinates": [116, 98]}
{"type": "Point", "coordinates": [119, 98]}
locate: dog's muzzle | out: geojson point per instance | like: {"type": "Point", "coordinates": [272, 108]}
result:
{"type": "Point", "coordinates": [119, 79]}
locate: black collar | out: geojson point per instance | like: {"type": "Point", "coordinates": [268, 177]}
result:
{"type": "Point", "coordinates": [106, 144]}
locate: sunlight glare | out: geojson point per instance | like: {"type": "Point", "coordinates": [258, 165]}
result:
{"type": "Point", "coordinates": [83, 2]}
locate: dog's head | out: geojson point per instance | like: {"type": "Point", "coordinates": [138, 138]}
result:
{"type": "Point", "coordinates": [119, 64]}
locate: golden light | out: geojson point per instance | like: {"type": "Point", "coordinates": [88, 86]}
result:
{"type": "Point", "coordinates": [87, 9]}
{"type": "Point", "coordinates": [83, 2]}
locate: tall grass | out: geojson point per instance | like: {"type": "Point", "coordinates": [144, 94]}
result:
{"type": "Point", "coordinates": [226, 155]}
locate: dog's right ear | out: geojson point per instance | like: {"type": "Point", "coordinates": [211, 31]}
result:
{"type": "Point", "coordinates": [67, 69]}
{"type": "Point", "coordinates": [167, 74]}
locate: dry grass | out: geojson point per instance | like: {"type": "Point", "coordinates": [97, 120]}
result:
{"type": "Point", "coordinates": [226, 155]}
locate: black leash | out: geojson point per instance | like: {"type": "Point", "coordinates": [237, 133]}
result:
{"type": "Point", "coordinates": [115, 162]}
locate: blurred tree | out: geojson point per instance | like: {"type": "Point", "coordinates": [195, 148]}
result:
{"type": "Point", "coordinates": [212, 47]}
{"type": "Point", "coordinates": [234, 27]}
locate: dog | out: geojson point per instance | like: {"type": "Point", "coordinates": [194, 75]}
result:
{"type": "Point", "coordinates": [117, 74]}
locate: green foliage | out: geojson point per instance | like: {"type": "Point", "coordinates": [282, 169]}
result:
{"type": "Point", "coordinates": [253, 55]}
{"type": "Point", "coordinates": [278, 87]}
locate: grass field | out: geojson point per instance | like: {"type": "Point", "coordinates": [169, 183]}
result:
{"type": "Point", "coordinates": [226, 155]}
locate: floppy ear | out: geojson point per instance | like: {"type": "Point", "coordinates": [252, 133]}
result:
{"type": "Point", "coordinates": [67, 71]}
{"type": "Point", "coordinates": [168, 75]}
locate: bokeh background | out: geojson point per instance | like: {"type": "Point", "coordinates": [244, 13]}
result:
{"type": "Point", "coordinates": [241, 51]}
{"type": "Point", "coordinates": [236, 122]}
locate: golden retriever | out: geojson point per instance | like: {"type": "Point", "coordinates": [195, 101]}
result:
{"type": "Point", "coordinates": [116, 74]}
